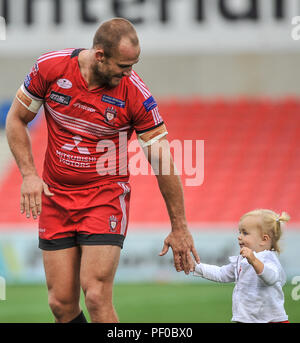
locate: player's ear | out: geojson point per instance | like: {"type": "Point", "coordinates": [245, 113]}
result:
{"type": "Point", "coordinates": [99, 54]}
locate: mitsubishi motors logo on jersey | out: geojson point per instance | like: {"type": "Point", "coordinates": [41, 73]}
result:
{"type": "Point", "coordinates": [77, 139]}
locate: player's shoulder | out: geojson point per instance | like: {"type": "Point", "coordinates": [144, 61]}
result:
{"type": "Point", "coordinates": [135, 82]}
{"type": "Point", "coordinates": [55, 56]}
{"type": "Point", "coordinates": [53, 63]}
{"type": "Point", "coordinates": [137, 89]}
{"type": "Point", "coordinates": [54, 60]}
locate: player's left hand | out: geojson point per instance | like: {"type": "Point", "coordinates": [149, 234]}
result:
{"type": "Point", "coordinates": [182, 244]}
{"type": "Point", "coordinates": [248, 254]}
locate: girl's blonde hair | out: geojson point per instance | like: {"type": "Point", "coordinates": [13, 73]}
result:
{"type": "Point", "coordinates": [270, 224]}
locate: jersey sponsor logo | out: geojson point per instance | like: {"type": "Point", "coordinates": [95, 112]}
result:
{"type": "Point", "coordinates": [77, 161]}
{"type": "Point", "coordinates": [113, 222]}
{"type": "Point", "coordinates": [84, 107]}
{"type": "Point", "coordinates": [110, 114]}
{"type": "Point", "coordinates": [60, 98]}
{"type": "Point", "coordinates": [64, 83]}
{"type": "Point", "coordinates": [113, 101]}
{"type": "Point", "coordinates": [149, 104]}
{"type": "Point", "coordinates": [77, 140]}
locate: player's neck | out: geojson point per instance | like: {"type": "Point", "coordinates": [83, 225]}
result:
{"type": "Point", "coordinates": [84, 61]}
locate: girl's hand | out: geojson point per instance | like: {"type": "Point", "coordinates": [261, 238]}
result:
{"type": "Point", "coordinates": [255, 262]}
{"type": "Point", "coordinates": [248, 254]}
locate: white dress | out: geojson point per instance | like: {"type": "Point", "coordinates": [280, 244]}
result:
{"type": "Point", "coordinates": [257, 298]}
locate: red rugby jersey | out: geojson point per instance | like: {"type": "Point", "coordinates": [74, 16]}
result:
{"type": "Point", "coordinates": [88, 130]}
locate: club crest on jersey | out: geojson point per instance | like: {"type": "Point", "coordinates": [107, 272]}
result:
{"type": "Point", "coordinates": [64, 83]}
{"type": "Point", "coordinates": [110, 114]}
{"type": "Point", "coordinates": [113, 222]}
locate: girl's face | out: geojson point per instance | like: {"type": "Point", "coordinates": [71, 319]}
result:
{"type": "Point", "coordinates": [250, 235]}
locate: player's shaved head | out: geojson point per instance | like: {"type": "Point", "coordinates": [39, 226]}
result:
{"type": "Point", "coordinates": [111, 32]}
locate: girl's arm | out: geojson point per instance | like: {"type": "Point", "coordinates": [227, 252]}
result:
{"type": "Point", "coordinates": [268, 272]}
{"type": "Point", "coordinates": [214, 273]}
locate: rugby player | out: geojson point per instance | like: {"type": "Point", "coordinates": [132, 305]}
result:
{"type": "Point", "coordinates": [93, 102]}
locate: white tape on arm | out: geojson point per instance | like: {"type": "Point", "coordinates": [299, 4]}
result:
{"type": "Point", "coordinates": [31, 104]}
{"type": "Point", "coordinates": [151, 141]}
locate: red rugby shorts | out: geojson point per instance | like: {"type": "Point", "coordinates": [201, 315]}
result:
{"type": "Point", "coordinates": [95, 216]}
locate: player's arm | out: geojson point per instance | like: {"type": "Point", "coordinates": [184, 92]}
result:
{"type": "Point", "coordinates": [22, 111]}
{"type": "Point", "coordinates": [157, 150]}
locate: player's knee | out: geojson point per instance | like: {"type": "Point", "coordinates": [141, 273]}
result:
{"type": "Point", "coordinates": [57, 307]}
{"type": "Point", "coordinates": [60, 307]}
{"type": "Point", "coordinates": [98, 296]}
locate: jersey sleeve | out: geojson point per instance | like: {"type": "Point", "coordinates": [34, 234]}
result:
{"type": "Point", "coordinates": [35, 83]}
{"type": "Point", "coordinates": [143, 107]}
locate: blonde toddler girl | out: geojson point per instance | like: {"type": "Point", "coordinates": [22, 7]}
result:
{"type": "Point", "coordinates": [257, 272]}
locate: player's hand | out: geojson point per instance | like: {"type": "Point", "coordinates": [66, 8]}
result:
{"type": "Point", "coordinates": [31, 195]}
{"type": "Point", "coordinates": [248, 254]}
{"type": "Point", "coordinates": [182, 244]}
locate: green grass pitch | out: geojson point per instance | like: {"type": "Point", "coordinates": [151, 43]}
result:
{"type": "Point", "coordinates": [141, 303]}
